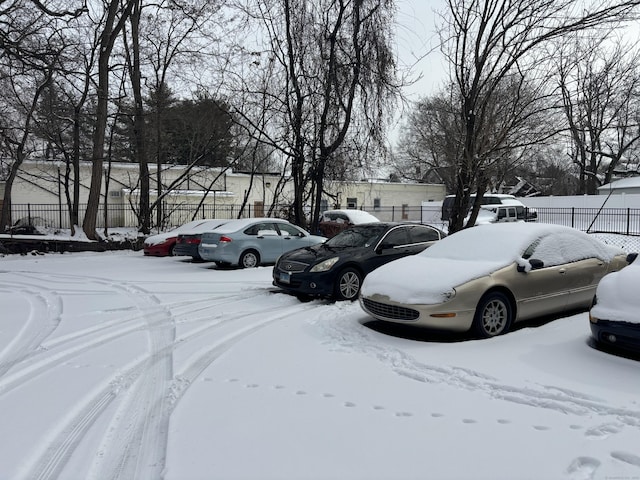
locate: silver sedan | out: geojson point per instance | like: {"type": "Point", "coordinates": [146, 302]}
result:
{"type": "Point", "coordinates": [251, 242]}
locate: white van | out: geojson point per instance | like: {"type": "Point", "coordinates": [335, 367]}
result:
{"type": "Point", "coordinates": [496, 214]}
{"type": "Point", "coordinates": [489, 199]}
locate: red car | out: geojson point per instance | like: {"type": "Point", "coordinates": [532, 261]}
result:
{"type": "Point", "coordinates": [162, 245]}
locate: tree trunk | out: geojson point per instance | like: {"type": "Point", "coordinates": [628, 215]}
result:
{"type": "Point", "coordinates": [107, 40]}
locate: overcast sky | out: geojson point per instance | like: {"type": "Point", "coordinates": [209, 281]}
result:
{"type": "Point", "coordinates": [417, 41]}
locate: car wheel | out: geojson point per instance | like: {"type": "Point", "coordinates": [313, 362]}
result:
{"type": "Point", "coordinates": [348, 284]}
{"type": "Point", "coordinates": [249, 259]}
{"type": "Point", "coordinates": [171, 248]}
{"type": "Point", "coordinates": [493, 315]}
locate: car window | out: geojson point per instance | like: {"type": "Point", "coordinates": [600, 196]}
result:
{"type": "Point", "coordinates": [358, 236]}
{"type": "Point", "coordinates": [422, 234]}
{"type": "Point", "coordinates": [557, 249]}
{"type": "Point", "coordinates": [261, 227]}
{"type": "Point", "coordinates": [396, 237]}
{"type": "Point", "coordinates": [287, 229]}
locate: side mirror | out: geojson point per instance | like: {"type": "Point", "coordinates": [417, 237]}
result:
{"type": "Point", "coordinates": [631, 257]}
{"type": "Point", "coordinates": [382, 247]}
{"type": "Point", "coordinates": [533, 262]}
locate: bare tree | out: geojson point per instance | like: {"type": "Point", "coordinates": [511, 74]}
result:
{"type": "Point", "coordinates": [516, 121]}
{"type": "Point", "coordinates": [115, 16]}
{"type": "Point", "coordinates": [63, 120]}
{"type": "Point", "coordinates": [31, 46]}
{"type": "Point", "coordinates": [331, 75]}
{"type": "Point", "coordinates": [599, 82]}
{"type": "Point", "coordinates": [486, 41]}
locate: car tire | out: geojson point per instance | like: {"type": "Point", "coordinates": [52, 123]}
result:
{"type": "Point", "coordinates": [494, 315]}
{"type": "Point", "coordinates": [221, 264]}
{"type": "Point", "coordinates": [348, 284]}
{"type": "Point", "coordinates": [249, 259]}
{"type": "Point", "coordinates": [170, 251]}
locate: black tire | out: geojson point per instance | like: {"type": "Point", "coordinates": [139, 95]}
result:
{"type": "Point", "coordinates": [171, 248]}
{"type": "Point", "coordinates": [348, 284]}
{"type": "Point", "coordinates": [494, 315]}
{"type": "Point", "coordinates": [249, 259]}
{"type": "Point", "coordinates": [221, 264]}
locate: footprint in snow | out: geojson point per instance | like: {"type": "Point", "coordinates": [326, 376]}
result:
{"type": "Point", "coordinates": [629, 458]}
{"type": "Point", "coordinates": [541, 428]}
{"type": "Point", "coordinates": [583, 468]}
{"type": "Point", "coordinates": [603, 431]}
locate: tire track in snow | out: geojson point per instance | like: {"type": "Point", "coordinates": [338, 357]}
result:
{"type": "Point", "coordinates": [149, 461]}
{"type": "Point", "coordinates": [25, 364]}
{"type": "Point", "coordinates": [149, 403]}
{"type": "Point", "coordinates": [44, 317]}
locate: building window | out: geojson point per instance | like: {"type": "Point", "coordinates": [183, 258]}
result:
{"type": "Point", "coordinates": [352, 202]}
{"type": "Point", "coordinates": [376, 204]}
{"type": "Point", "coordinates": [405, 211]}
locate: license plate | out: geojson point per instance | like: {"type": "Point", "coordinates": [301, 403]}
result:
{"type": "Point", "coordinates": [285, 277]}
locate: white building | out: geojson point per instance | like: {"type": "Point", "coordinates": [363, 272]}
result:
{"type": "Point", "coordinates": [214, 191]}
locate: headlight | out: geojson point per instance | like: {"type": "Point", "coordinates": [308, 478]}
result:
{"type": "Point", "coordinates": [325, 265]}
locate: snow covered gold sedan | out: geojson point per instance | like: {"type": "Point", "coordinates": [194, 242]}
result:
{"type": "Point", "coordinates": [487, 277]}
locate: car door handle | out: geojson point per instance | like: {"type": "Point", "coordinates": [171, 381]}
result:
{"type": "Point", "coordinates": [562, 271]}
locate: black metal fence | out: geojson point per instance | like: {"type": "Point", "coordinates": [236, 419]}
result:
{"type": "Point", "coordinates": [624, 221]}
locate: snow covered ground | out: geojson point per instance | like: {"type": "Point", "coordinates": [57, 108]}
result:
{"type": "Point", "coordinates": [119, 366]}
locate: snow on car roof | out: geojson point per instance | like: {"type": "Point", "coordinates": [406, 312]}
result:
{"type": "Point", "coordinates": [502, 241]}
{"type": "Point", "coordinates": [235, 225]}
{"type": "Point", "coordinates": [195, 226]}
{"type": "Point", "coordinates": [355, 216]}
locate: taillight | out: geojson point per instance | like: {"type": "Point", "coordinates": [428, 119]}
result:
{"type": "Point", "coordinates": [224, 239]}
{"type": "Point", "coordinates": [194, 241]}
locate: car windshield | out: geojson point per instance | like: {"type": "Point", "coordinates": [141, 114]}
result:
{"type": "Point", "coordinates": [358, 236]}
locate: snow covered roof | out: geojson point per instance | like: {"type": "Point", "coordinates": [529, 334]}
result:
{"type": "Point", "coordinates": [355, 216]}
{"type": "Point", "coordinates": [630, 182]}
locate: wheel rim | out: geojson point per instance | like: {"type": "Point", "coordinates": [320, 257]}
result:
{"type": "Point", "coordinates": [494, 317]}
{"type": "Point", "coordinates": [249, 260]}
{"type": "Point", "coordinates": [349, 285]}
